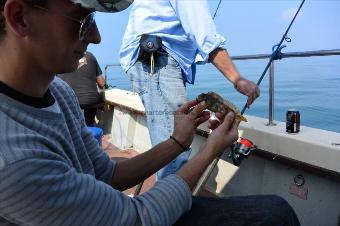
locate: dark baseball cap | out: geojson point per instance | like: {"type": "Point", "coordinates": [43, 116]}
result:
{"type": "Point", "coordinates": [104, 5]}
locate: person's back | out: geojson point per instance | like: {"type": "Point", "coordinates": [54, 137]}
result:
{"type": "Point", "coordinates": [84, 80]}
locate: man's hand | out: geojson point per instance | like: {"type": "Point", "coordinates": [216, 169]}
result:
{"type": "Point", "coordinates": [224, 133]}
{"type": "Point", "coordinates": [134, 170]}
{"type": "Point", "coordinates": [186, 119]}
{"type": "Point", "coordinates": [248, 88]}
{"type": "Point", "coordinates": [222, 61]}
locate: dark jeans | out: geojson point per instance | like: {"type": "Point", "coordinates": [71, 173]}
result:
{"type": "Point", "coordinates": [90, 111]}
{"type": "Point", "coordinates": [268, 210]}
{"type": "Point", "coordinates": [90, 114]}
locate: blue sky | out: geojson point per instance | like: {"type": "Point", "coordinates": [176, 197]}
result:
{"type": "Point", "coordinates": [250, 26]}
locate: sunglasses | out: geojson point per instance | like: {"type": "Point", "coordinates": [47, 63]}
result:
{"type": "Point", "coordinates": [85, 24]}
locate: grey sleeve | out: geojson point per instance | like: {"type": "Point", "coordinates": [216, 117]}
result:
{"type": "Point", "coordinates": [103, 165]}
{"type": "Point", "coordinates": [47, 191]}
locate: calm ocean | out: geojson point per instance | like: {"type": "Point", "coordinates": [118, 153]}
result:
{"type": "Point", "coordinates": [310, 85]}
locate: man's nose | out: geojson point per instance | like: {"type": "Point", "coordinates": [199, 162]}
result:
{"type": "Point", "coordinates": [93, 35]}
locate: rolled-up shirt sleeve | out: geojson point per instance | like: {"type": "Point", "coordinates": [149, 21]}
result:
{"type": "Point", "coordinates": [197, 22]}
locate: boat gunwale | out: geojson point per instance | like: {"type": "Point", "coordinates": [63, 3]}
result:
{"type": "Point", "coordinates": [320, 171]}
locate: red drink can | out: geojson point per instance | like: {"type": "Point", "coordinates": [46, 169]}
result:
{"type": "Point", "coordinates": [292, 121]}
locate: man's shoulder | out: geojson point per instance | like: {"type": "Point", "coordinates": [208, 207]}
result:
{"type": "Point", "coordinates": [90, 56]}
{"type": "Point", "coordinates": [62, 91]}
{"type": "Point", "coordinates": [59, 83]}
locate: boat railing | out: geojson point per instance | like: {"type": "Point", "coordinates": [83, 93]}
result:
{"type": "Point", "coordinates": [107, 66]}
{"type": "Point", "coordinates": [331, 52]}
{"type": "Point", "coordinates": [272, 71]}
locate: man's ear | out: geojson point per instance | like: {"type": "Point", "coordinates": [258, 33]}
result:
{"type": "Point", "coordinates": [16, 16]}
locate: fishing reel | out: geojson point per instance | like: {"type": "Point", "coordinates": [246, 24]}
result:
{"type": "Point", "coordinates": [241, 150]}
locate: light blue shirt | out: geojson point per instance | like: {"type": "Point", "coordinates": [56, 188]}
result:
{"type": "Point", "coordinates": [186, 28]}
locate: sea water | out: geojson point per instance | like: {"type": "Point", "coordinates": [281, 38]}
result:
{"type": "Point", "coordinates": [310, 85]}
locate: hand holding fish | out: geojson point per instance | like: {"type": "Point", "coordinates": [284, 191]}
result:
{"type": "Point", "coordinates": [224, 134]}
{"type": "Point", "coordinates": [186, 119]}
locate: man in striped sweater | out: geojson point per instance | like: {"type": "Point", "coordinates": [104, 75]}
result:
{"type": "Point", "coordinates": [52, 171]}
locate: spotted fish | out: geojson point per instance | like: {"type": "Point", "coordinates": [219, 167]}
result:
{"type": "Point", "coordinates": [217, 104]}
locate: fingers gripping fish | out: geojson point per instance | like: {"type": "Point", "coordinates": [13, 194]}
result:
{"type": "Point", "coordinates": [217, 104]}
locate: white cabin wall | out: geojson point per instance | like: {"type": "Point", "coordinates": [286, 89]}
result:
{"type": "Point", "coordinates": [123, 128]}
{"type": "Point", "coordinates": [141, 138]}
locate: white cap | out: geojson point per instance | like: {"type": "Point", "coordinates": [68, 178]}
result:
{"type": "Point", "coordinates": [104, 5]}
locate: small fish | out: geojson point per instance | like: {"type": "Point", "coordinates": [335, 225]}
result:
{"type": "Point", "coordinates": [217, 104]}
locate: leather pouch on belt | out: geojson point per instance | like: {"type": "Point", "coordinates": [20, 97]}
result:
{"type": "Point", "coordinates": [149, 45]}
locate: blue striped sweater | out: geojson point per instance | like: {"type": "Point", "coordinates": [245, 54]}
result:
{"type": "Point", "coordinates": [52, 172]}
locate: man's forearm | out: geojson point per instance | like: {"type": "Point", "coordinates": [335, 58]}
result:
{"type": "Point", "coordinates": [192, 171]}
{"type": "Point", "coordinates": [222, 61]}
{"type": "Point", "coordinates": [100, 81]}
{"type": "Point", "coordinates": [132, 171]}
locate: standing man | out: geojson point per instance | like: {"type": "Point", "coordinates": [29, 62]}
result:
{"type": "Point", "coordinates": [183, 34]}
{"type": "Point", "coordinates": [85, 82]}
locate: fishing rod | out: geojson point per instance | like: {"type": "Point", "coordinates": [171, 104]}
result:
{"type": "Point", "coordinates": [276, 51]}
{"type": "Point", "coordinates": [239, 152]}
{"type": "Point", "coordinates": [218, 6]}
